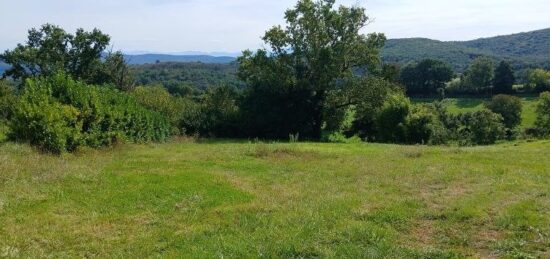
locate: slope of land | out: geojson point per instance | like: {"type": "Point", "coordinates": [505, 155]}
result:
{"type": "Point", "coordinates": [230, 199]}
{"type": "Point", "coordinates": [524, 50]}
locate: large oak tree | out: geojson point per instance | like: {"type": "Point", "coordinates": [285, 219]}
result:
{"type": "Point", "coordinates": [321, 51]}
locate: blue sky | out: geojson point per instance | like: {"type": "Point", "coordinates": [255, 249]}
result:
{"type": "Point", "coordinates": [172, 26]}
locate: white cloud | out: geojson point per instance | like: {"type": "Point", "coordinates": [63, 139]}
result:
{"type": "Point", "coordinates": [233, 25]}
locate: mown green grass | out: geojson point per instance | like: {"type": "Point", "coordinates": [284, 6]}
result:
{"type": "Point", "coordinates": [232, 199]}
{"type": "Point", "coordinates": [461, 105]}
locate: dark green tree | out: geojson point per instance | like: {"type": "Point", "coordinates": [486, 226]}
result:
{"type": "Point", "coordinates": [509, 107]}
{"type": "Point", "coordinates": [7, 99]}
{"type": "Point", "coordinates": [391, 72]}
{"type": "Point", "coordinates": [504, 79]}
{"type": "Point", "coordinates": [426, 77]}
{"type": "Point", "coordinates": [50, 49]}
{"type": "Point", "coordinates": [479, 76]}
{"type": "Point", "coordinates": [318, 52]}
{"type": "Point", "coordinates": [543, 115]}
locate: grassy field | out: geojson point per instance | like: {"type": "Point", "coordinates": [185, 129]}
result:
{"type": "Point", "coordinates": [231, 199]}
{"type": "Point", "coordinates": [458, 105]}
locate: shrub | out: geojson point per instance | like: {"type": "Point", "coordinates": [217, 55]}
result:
{"type": "Point", "coordinates": [481, 128]}
{"type": "Point", "coordinates": [47, 124]}
{"type": "Point", "coordinates": [158, 99]}
{"type": "Point", "coordinates": [391, 120]}
{"type": "Point", "coordinates": [543, 115]}
{"type": "Point", "coordinates": [7, 100]}
{"type": "Point", "coordinates": [509, 107]}
{"type": "Point", "coordinates": [59, 114]}
{"type": "Point", "coordinates": [424, 126]}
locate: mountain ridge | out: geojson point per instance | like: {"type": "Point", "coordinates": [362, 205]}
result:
{"type": "Point", "coordinates": [524, 50]}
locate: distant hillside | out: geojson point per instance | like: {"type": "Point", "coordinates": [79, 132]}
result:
{"type": "Point", "coordinates": [179, 77]}
{"type": "Point", "coordinates": [154, 58]}
{"type": "Point", "coordinates": [524, 50]}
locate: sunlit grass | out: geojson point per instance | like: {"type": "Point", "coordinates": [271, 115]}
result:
{"type": "Point", "coordinates": [238, 199]}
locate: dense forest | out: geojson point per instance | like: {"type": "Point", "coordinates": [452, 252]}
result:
{"type": "Point", "coordinates": [523, 50]}
{"type": "Point", "coordinates": [182, 78]}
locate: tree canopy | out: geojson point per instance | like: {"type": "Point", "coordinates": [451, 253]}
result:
{"type": "Point", "coordinates": [319, 52]}
{"type": "Point", "coordinates": [426, 77]}
{"type": "Point", "coordinates": [479, 75]}
{"type": "Point", "coordinates": [504, 78]}
{"type": "Point", "coordinates": [50, 50]}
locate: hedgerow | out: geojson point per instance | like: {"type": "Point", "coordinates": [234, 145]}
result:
{"type": "Point", "coordinates": [60, 114]}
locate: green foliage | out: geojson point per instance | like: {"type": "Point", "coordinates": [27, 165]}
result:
{"type": "Point", "coordinates": [221, 113]}
{"type": "Point", "coordinates": [460, 54]}
{"type": "Point", "coordinates": [59, 114]}
{"type": "Point", "coordinates": [539, 80]}
{"type": "Point", "coordinates": [391, 120]}
{"type": "Point", "coordinates": [509, 107]}
{"type": "Point", "coordinates": [543, 114]}
{"type": "Point", "coordinates": [480, 128]}
{"type": "Point", "coordinates": [158, 99]}
{"type": "Point", "coordinates": [187, 79]}
{"type": "Point", "coordinates": [426, 77]}
{"type": "Point", "coordinates": [479, 76]}
{"type": "Point", "coordinates": [51, 49]}
{"type": "Point", "coordinates": [504, 78]}
{"type": "Point", "coordinates": [7, 99]}
{"type": "Point", "coordinates": [47, 124]}
{"type": "Point", "coordinates": [313, 57]}
{"type": "Point", "coordinates": [391, 72]}
{"type": "Point", "coordinates": [425, 127]}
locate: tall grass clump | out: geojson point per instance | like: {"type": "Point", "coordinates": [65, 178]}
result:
{"type": "Point", "coordinates": [60, 114]}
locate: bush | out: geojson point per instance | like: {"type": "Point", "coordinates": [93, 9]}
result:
{"type": "Point", "coordinates": [7, 100]}
{"type": "Point", "coordinates": [59, 114]}
{"type": "Point", "coordinates": [391, 120]}
{"type": "Point", "coordinates": [47, 124]}
{"type": "Point", "coordinates": [424, 126]}
{"type": "Point", "coordinates": [480, 128]}
{"type": "Point", "coordinates": [158, 99]}
{"type": "Point", "coordinates": [509, 107]}
{"type": "Point", "coordinates": [543, 115]}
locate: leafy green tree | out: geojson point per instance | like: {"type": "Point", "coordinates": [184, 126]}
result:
{"type": "Point", "coordinates": [543, 114]}
{"type": "Point", "coordinates": [318, 52]}
{"type": "Point", "coordinates": [426, 77]}
{"type": "Point", "coordinates": [509, 107]}
{"type": "Point", "coordinates": [424, 126]}
{"type": "Point", "coordinates": [479, 76]}
{"type": "Point", "coordinates": [504, 78]}
{"type": "Point", "coordinates": [480, 128]}
{"type": "Point", "coordinates": [539, 80]}
{"type": "Point", "coordinates": [391, 120]}
{"type": "Point", "coordinates": [50, 49]}
{"type": "Point", "coordinates": [391, 72]}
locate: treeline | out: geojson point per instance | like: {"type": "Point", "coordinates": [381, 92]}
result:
{"type": "Point", "coordinates": [482, 78]}
{"type": "Point", "coordinates": [187, 78]}
{"type": "Point", "coordinates": [525, 51]}
{"type": "Point", "coordinates": [318, 79]}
